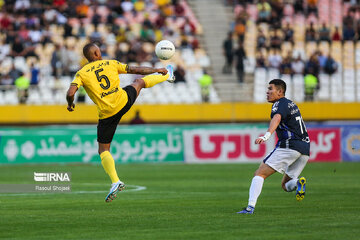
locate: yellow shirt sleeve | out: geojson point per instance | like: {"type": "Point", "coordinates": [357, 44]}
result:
{"type": "Point", "coordinates": [77, 81]}
{"type": "Point", "coordinates": [122, 68]}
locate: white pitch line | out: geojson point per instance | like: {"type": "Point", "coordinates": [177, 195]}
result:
{"type": "Point", "coordinates": [135, 189]}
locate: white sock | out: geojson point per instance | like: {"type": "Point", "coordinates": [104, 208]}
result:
{"type": "Point", "coordinates": [291, 185]}
{"type": "Point", "coordinates": [255, 190]}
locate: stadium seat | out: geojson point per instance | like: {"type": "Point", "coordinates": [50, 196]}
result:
{"type": "Point", "coordinates": [289, 85]}
{"type": "Point", "coordinates": [197, 73]}
{"type": "Point", "coordinates": [358, 85]}
{"type": "Point", "coordinates": [47, 96]}
{"type": "Point", "coordinates": [310, 47]}
{"type": "Point", "coordinates": [20, 63]}
{"type": "Point", "coordinates": [88, 100]}
{"type": "Point", "coordinates": [71, 41]}
{"type": "Point", "coordinates": [172, 95]}
{"type": "Point", "coordinates": [251, 9]}
{"type": "Point", "coordinates": [348, 56]}
{"type": "Point", "coordinates": [185, 94]}
{"type": "Point", "coordinates": [180, 87]}
{"type": "Point", "coordinates": [273, 73]}
{"type": "Point", "coordinates": [159, 65]}
{"type": "Point", "coordinates": [188, 56]}
{"type": "Point", "coordinates": [31, 60]}
{"type": "Point", "coordinates": [324, 47]}
{"type": "Point", "coordinates": [249, 65]}
{"type": "Point", "coordinates": [336, 89]}
{"type": "Point", "coordinates": [349, 94]}
{"type": "Point", "coordinates": [285, 48]}
{"type": "Point", "coordinates": [126, 79]}
{"type": "Point", "coordinates": [202, 58]}
{"type": "Point", "coordinates": [10, 97]}
{"type": "Point", "coordinates": [6, 65]}
{"type": "Point", "coordinates": [89, 28]}
{"type": "Point", "coordinates": [59, 97]}
{"type": "Point", "coordinates": [195, 94]}
{"type": "Point", "coordinates": [250, 39]}
{"type": "Point", "coordinates": [288, 10]}
{"type": "Point", "coordinates": [357, 58]}
{"type": "Point", "coordinates": [65, 82]}
{"type": "Point", "coordinates": [39, 50]}
{"type": "Point", "coordinates": [345, 6]}
{"type": "Point", "coordinates": [34, 97]}
{"type": "Point", "coordinates": [311, 18]}
{"type": "Point", "coordinates": [336, 12]}
{"type": "Point", "coordinates": [324, 11]}
{"type": "Point", "coordinates": [162, 99]}
{"type": "Point", "coordinates": [349, 86]}
{"type": "Point", "coordinates": [45, 71]}
{"type": "Point", "coordinates": [192, 62]}
{"type": "Point", "coordinates": [260, 84]}
{"type": "Point", "coordinates": [2, 100]}
{"type": "Point", "coordinates": [298, 88]}
{"type": "Point", "coordinates": [146, 64]}
{"type": "Point", "coordinates": [299, 28]}
{"type": "Point", "coordinates": [46, 83]}
{"type": "Point", "coordinates": [110, 49]}
{"type": "Point", "coordinates": [299, 51]}
{"type": "Point", "coordinates": [145, 96]}
{"type": "Point", "coordinates": [49, 49]}
{"type": "Point", "coordinates": [214, 97]}
{"type": "Point", "coordinates": [324, 91]}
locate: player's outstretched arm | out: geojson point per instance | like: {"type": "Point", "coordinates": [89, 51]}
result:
{"type": "Point", "coordinates": [274, 123]}
{"type": "Point", "coordinates": [70, 97]}
{"type": "Point", "coordinates": [146, 70]}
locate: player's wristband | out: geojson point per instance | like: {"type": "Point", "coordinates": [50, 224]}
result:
{"type": "Point", "coordinates": [266, 136]}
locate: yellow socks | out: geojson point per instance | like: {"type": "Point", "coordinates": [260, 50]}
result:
{"type": "Point", "coordinates": [152, 80]}
{"type": "Point", "coordinates": [108, 164]}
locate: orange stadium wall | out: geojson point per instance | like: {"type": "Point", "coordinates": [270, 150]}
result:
{"type": "Point", "coordinates": [224, 112]}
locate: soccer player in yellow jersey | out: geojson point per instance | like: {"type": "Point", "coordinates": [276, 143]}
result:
{"type": "Point", "coordinates": [100, 79]}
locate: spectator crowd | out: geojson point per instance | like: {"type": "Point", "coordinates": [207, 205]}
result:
{"type": "Point", "coordinates": [37, 34]}
{"type": "Point", "coordinates": [275, 35]}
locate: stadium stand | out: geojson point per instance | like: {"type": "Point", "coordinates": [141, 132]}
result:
{"type": "Point", "coordinates": [51, 38]}
{"type": "Point", "coordinates": [317, 33]}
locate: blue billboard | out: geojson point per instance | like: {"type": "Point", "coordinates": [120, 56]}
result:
{"type": "Point", "coordinates": [350, 142]}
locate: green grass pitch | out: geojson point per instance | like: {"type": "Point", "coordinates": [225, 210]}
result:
{"type": "Point", "coordinates": [183, 202]}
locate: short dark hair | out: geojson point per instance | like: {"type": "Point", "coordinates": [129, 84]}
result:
{"type": "Point", "coordinates": [86, 50]}
{"type": "Point", "coordinates": [279, 84]}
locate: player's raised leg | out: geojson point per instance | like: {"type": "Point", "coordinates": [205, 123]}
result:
{"type": "Point", "coordinates": [300, 191]}
{"type": "Point", "coordinates": [291, 181]}
{"type": "Point", "coordinates": [170, 70]}
{"type": "Point", "coordinates": [289, 184]}
{"type": "Point", "coordinates": [152, 80]}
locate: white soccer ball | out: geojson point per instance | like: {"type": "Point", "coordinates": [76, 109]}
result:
{"type": "Point", "coordinates": [165, 49]}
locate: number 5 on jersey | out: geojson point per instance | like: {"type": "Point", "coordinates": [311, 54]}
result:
{"type": "Point", "coordinates": [100, 77]}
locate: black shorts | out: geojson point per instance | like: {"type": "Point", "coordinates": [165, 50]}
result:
{"type": "Point", "coordinates": [106, 127]}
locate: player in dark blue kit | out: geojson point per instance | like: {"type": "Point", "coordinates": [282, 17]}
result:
{"type": "Point", "coordinates": [291, 152]}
